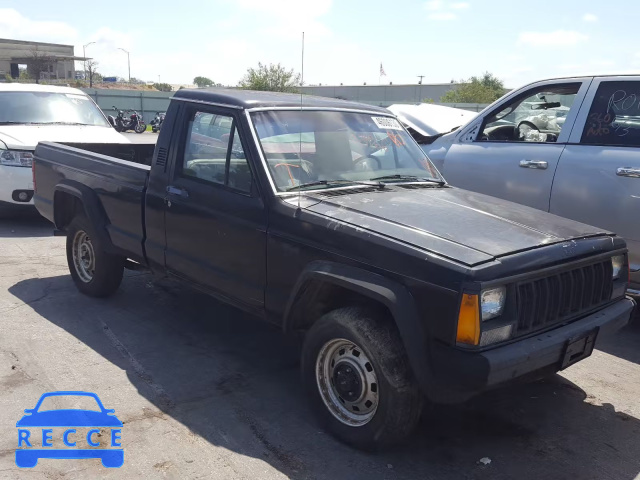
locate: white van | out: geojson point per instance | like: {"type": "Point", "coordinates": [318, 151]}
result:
{"type": "Point", "coordinates": [31, 113]}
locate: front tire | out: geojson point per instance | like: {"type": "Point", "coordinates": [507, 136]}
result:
{"type": "Point", "coordinates": [95, 272]}
{"type": "Point", "coordinates": [357, 374]}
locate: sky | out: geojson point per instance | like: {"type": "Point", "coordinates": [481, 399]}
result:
{"type": "Point", "coordinates": [345, 40]}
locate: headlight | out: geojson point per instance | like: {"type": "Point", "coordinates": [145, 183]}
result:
{"type": "Point", "coordinates": [16, 158]}
{"type": "Point", "coordinates": [492, 302]}
{"type": "Point", "coordinates": [617, 263]}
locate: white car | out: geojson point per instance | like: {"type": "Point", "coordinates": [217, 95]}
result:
{"type": "Point", "coordinates": [426, 122]}
{"type": "Point", "coordinates": [32, 113]}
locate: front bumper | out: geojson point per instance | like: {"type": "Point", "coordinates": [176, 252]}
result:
{"type": "Point", "coordinates": [469, 373]}
{"type": "Point", "coordinates": [12, 179]}
{"type": "Point", "coordinates": [17, 207]}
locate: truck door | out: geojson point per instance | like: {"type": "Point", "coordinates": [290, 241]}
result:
{"type": "Point", "coordinates": [215, 219]}
{"type": "Point", "coordinates": [598, 177]}
{"type": "Point", "coordinates": [513, 150]}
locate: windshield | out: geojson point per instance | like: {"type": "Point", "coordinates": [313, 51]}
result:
{"type": "Point", "coordinates": [49, 108]}
{"type": "Point", "coordinates": [315, 148]}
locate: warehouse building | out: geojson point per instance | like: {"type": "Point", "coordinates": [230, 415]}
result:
{"type": "Point", "coordinates": [47, 61]}
{"type": "Point", "coordinates": [383, 95]}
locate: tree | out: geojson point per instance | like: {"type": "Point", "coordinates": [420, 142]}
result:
{"type": "Point", "coordinates": [39, 63]}
{"type": "Point", "coordinates": [273, 78]}
{"type": "Point", "coordinates": [92, 65]}
{"type": "Point", "coordinates": [163, 87]}
{"type": "Point", "coordinates": [485, 89]}
{"type": "Point", "coordinates": [204, 82]}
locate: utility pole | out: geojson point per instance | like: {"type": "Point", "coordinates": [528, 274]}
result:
{"type": "Point", "coordinates": [128, 62]}
{"type": "Point", "coordinates": [84, 62]}
{"type": "Point", "coordinates": [420, 77]}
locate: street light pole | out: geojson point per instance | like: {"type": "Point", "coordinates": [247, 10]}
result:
{"type": "Point", "coordinates": [84, 62]}
{"type": "Point", "coordinates": [128, 62]}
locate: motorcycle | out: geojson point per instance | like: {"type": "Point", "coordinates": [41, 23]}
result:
{"type": "Point", "coordinates": [133, 122]}
{"type": "Point", "coordinates": [156, 123]}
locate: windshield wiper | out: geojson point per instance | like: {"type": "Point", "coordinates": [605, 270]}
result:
{"type": "Point", "coordinates": [410, 178]}
{"type": "Point", "coordinates": [336, 182]}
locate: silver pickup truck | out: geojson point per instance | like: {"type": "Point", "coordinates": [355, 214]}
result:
{"type": "Point", "coordinates": [569, 146]}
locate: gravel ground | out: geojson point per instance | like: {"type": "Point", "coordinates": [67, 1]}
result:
{"type": "Point", "coordinates": [206, 391]}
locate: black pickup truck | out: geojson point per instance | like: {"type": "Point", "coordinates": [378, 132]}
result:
{"type": "Point", "coordinates": [326, 218]}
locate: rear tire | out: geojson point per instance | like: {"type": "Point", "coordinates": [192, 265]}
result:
{"type": "Point", "coordinates": [140, 127]}
{"type": "Point", "coordinates": [357, 374]}
{"type": "Point", "coordinates": [95, 272]}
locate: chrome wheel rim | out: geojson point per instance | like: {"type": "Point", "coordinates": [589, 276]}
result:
{"type": "Point", "coordinates": [84, 259]}
{"type": "Point", "coordinates": [347, 382]}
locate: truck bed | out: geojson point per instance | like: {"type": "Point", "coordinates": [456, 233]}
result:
{"type": "Point", "coordinates": [116, 174]}
{"type": "Point", "coordinates": [141, 153]}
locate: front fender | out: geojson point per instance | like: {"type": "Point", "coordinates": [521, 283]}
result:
{"type": "Point", "coordinates": [437, 151]}
{"type": "Point", "coordinates": [390, 293]}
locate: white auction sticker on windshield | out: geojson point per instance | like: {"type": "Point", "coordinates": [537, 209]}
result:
{"type": "Point", "coordinates": [387, 123]}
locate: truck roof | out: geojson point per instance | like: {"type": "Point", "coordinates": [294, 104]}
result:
{"type": "Point", "coordinates": [246, 99]}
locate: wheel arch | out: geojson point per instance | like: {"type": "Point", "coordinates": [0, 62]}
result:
{"type": "Point", "coordinates": [324, 286]}
{"type": "Point", "coordinates": [71, 198]}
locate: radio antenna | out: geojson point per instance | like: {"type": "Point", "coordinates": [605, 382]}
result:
{"type": "Point", "coordinates": [300, 126]}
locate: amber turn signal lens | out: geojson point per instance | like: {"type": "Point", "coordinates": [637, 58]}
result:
{"type": "Point", "coordinates": [469, 321]}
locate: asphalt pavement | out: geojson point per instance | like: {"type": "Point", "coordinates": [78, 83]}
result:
{"type": "Point", "coordinates": [206, 391]}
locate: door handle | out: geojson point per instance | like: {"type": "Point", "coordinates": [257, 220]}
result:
{"type": "Point", "coordinates": [537, 164]}
{"type": "Point", "coordinates": [181, 192]}
{"type": "Point", "coordinates": [628, 172]}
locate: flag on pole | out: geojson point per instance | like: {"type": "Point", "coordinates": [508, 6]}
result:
{"type": "Point", "coordinates": [382, 71]}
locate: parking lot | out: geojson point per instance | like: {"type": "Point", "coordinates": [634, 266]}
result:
{"type": "Point", "coordinates": [205, 391]}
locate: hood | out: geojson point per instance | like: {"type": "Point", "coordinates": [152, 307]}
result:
{"type": "Point", "coordinates": [431, 120]}
{"type": "Point", "coordinates": [464, 226]}
{"type": "Point", "coordinates": [26, 137]}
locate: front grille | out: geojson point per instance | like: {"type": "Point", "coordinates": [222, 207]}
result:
{"type": "Point", "coordinates": [550, 300]}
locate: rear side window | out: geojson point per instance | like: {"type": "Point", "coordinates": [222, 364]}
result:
{"type": "Point", "coordinates": [614, 118]}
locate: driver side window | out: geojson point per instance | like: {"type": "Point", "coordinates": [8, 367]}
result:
{"type": "Point", "coordinates": [537, 116]}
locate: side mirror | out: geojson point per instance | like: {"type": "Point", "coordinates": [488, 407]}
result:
{"type": "Point", "coordinates": [28, 410]}
{"type": "Point", "coordinates": [109, 411]}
